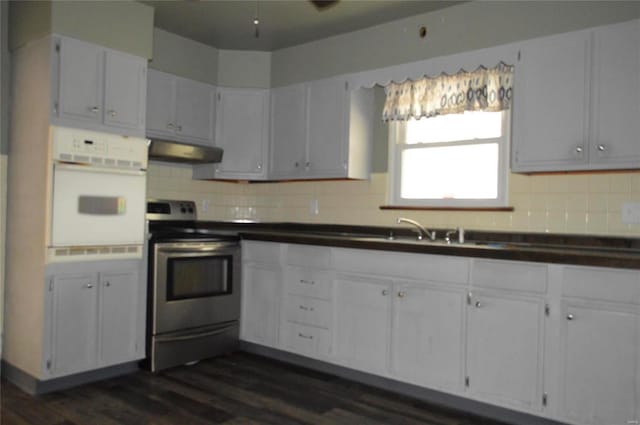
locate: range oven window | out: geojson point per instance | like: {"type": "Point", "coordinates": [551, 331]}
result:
{"type": "Point", "coordinates": [202, 276]}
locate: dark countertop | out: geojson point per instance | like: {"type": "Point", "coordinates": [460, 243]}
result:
{"type": "Point", "coordinates": [536, 247]}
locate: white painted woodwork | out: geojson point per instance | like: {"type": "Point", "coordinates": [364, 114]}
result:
{"type": "Point", "coordinates": [261, 292]}
{"type": "Point", "coordinates": [504, 349]}
{"type": "Point", "coordinates": [242, 132]}
{"type": "Point", "coordinates": [427, 338]}
{"type": "Point", "coordinates": [308, 256]}
{"type": "Point", "coordinates": [363, 318]}
{"type": "Point", "coordinates": [577, 101]}
{"type": "Point", "coordinates": [180, 109]}
{"type": "Point", "coordinates": [119, 317]}
{"type": "Point", "coordinates": [308, 311]}
{"type": "Point", "coordinates": [125, 90]}
{"type": "Point", "coordinates": [288, 131]}
{"type": "Point", "coordinates": [510, 275]}
{"type": "Point", "coordinates": [308, 282]}
{"type": "Point", "coordinates": [74, 323]}
{"type": "Point", "coordinates": [306, 340]}
{"type": "Point", "coordinates": [600, 380]}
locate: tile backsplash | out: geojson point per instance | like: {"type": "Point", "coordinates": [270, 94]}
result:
{"type": "Point", "coordinates": [558, 203]}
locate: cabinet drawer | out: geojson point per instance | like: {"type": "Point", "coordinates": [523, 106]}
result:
{"type": "Point", "coordinates": [510, 275]}
{"type": "Point", "coordinates": [309, 256]}
{"type": "Point", "coordinates": [308, 311]}
{"type": "Point", "coordinates": [261, 252]}
{"type": "Point", "coordinates": [601, 284]}
{"type": "Point", "coordinates": [311, 283]}
{"type": "Point", "coordinates": [306, 339]}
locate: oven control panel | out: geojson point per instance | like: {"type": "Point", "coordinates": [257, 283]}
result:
{"type": "Point", "coordinates": [161, 209]}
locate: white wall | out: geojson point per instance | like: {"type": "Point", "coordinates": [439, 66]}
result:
{"type": "Point", "coordinates": [243, 68]}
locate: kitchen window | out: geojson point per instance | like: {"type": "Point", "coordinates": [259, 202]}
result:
{"type": "Point", "coordinates": [455, 160]}
{"type": "Point", "coordinates": [449, 139]}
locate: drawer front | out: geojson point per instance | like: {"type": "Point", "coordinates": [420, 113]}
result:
{"type": "Point", "coordinates": [306, 340]}
{"type": "Point", "coordinates": [311, 283]}
{"type": "Point", "coordinates": [308, 311]}
{"type": "Point", "coordinates": [601, 284]}
{"type": "Point", "coordinates": [308, 256]}
{"type": "Point", "coordinates": [261, 252]}
{"type": "Point", "coordinates": [510, 275]}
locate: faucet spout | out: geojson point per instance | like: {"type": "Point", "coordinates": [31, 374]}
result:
{"type": "Point", "coordinates": [422, 231]}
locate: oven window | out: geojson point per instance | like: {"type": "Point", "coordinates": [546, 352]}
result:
{"type": "Point", "coordinates": [198, 277]}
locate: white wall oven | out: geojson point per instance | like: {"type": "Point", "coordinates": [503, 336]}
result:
{"type": "Point", "coordinates": [98, 195]}
{"type": "Point", "coordinates": [194, 287]}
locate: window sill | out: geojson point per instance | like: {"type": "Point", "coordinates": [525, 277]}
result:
{"type": "Point", "coordinates": [409, 208]}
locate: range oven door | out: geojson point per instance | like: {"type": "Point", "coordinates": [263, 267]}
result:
{"type": "Point", "coordinates": [97, 206]}
{"type": "Point", "coordinates": [196, 284]}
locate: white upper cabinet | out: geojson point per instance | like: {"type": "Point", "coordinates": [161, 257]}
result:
{"type": "Point", "coordinates": [321, 129]}
{"type": "Point", "coordinates": [98, 88]}
{"type": "Point", "coordinates": [242, 131]}
{"type": "Point", "coordinates": [577, 101]}
{"type": "Point", "coordinates": [180, 109]}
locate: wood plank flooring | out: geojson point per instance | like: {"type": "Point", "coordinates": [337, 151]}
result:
{"type": "Point", "coordinates": [239, 389]}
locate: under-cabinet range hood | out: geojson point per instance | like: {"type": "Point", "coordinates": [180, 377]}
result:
{"type": "Point", "coordinates": [163, 150]}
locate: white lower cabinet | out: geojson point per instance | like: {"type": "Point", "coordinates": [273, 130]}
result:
{"type": "Point", "coordinates": [261, 291]}
{"type": "Point", "coordinates": [363, 312]}
{"type": "Point", "coordinates": [504, 349]}
{"type": "Point", "coordinates": [427, 346]}
{"type": "Point", "coordinates": [94, 321]}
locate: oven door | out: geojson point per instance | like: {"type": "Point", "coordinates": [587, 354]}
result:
{"type": "Point", "coordinates": [96, 206]}
{"type": "Point", "coordinates": [195, 284]}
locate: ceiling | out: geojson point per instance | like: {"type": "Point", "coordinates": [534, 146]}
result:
{"type": "Point", "coordinates": [228, 24]}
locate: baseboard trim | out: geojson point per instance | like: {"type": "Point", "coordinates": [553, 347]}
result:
{"type": "Point", "coordinates": [447, 401]}
{"type": "Point", "coordinates": [34, 386]}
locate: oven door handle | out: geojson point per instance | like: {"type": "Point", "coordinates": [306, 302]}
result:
{"type": "Point", "coordinates": [192, 336]}
{"type": "Point", "coordinates": [196, 249]}
{"type": "Point", "coordinates": [97, 169]}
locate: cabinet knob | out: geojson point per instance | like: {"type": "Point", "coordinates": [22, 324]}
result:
{"type": "Point", "coordinates": [107, 283]}
{"type": "Point", "coordinates": [297, 164]}
{"type": "Point", "coordinates": [179, 128]}
{"type": "Point", "coordinates": [601, 148]}
{"type": "Point", "coordinates": [112, 112]}
{"type": "Point", "coordinates": [578, 149]}
{"type": "Point", "coordinates": [171, 126]}
{"type": "Point", "coordinates": [401, 294]}
{"type": "Point", "coordinates": [569, 316]}
{"type": "Point", "coordinates": [88, 285]}
{"type": "Point", "coordinates": [385, 292]}
{"type": "Point", "coordinates": [478, 304]}
{"type": "Point", "coordinates": [307, 165]}
{"type": "Point", "coordinates": [94, 109]}
{"type": "Point", "coordinates": [259, 166]}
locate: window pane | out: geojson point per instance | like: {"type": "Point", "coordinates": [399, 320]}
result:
{"type": "Point", "coordinates": [453, 127]}
{"type": "Point", "coordinates": [450, 172]}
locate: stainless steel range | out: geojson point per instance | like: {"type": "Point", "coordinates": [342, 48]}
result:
{"type": "Point", "coordinates": [194, 287]}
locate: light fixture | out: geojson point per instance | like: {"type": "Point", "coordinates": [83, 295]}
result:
{"type": "Point", "coordinates": [256, 20]}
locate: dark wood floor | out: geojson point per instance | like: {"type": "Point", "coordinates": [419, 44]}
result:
{"type": "Point", "coordinates": [240, 389]}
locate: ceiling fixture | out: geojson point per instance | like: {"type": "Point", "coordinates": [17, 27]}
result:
{"type": "Point", "coordinates": [256, 20]}
{"type": "Point", "coordinates": [323, 4]}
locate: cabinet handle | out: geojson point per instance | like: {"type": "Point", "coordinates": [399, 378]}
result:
{"type": "Point", "coordinates": [88, 285]}
{"type": "Point", "coordinates": [578, 149]}
{"type": "Point", "coordinates": [112, 113]}
{"type": "Point", "coordinates": [297, 164]}
{"type": "Point", "coordinates": [601, 148]}
{"type": "Point", "coordinates": [307, 164]}
{"type": "Point", "coordinates": [301, 335]}
{"type": "Point", "coordinates": [401, 294]}
{"type": "Point", "coordinates": [478, 304]}
{"type": "Point", "coordinates": [307, 282]}
{"type": "Point", "coordinates": [569, 316]}
{"type": "Point", "coordinates": [94, 109]}
{"type": "Point", "coordinates": [179, 128]}
{"type": "Point", "coordinates": [385, 292]}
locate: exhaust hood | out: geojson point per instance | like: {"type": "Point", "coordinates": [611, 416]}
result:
{"type": "Point", "coordinates": [163, 150]}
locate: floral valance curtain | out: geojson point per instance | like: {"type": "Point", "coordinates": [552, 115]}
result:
{"type": "Point", "coordinates": [481, 90]}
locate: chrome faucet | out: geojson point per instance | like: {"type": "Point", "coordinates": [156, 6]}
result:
{"type": "Point", "coordinates": [419, 228]}
{"type": "Point", "coordinates": [459, 231]}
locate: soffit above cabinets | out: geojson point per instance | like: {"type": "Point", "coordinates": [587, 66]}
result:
{"type": "Point", "coordinates": [229, 24]}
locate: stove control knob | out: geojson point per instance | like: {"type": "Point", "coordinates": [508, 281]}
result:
{"type": "Point", "coordinates": [190, 210]}
{"type": "Point", "coordinates": [183, 210]}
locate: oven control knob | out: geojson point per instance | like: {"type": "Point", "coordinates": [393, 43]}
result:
{"type": "Point", "coordinates": [190, 210]}
{"type": "Point", "coordinates": [183, 210]}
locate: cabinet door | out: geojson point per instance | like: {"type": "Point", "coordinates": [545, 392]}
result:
{"type": "Point", "coordinates": [363, 309]}
{"type": "Point", "coordinates": [125, 90]}
{"type": "Point", "coordinates": [550, 128]}
{"type": "Point", "coordinates": [195, 111]}
{"type": "Point", "coordinates": [80, 81]}
{"type": "Point", "coordinates": [161, 104]}
{"type": "Point", "coordinates": [428, 335]}
{"type": "Point", "coordinates": [327, 134]}
{"type": "Point", "coordinates": [261, 291]}
{"type": "Point", "coordinates": [242, 132]}
{"type": "Point", "coordinates": [288, 131]}
{"type": "Point", "coordinates": [616, 99]}
{"type": "Point", "coordinates": [74, 323]}
{"type": "Point", "coordinates": [601, 356]}
{"type": "Point", "coordinates": [505, 348]}
{"type": "Point", "coordinates": [118, 317]}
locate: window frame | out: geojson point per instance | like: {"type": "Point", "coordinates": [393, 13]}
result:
{"type": "Point", "coordinates": [397, 131]}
